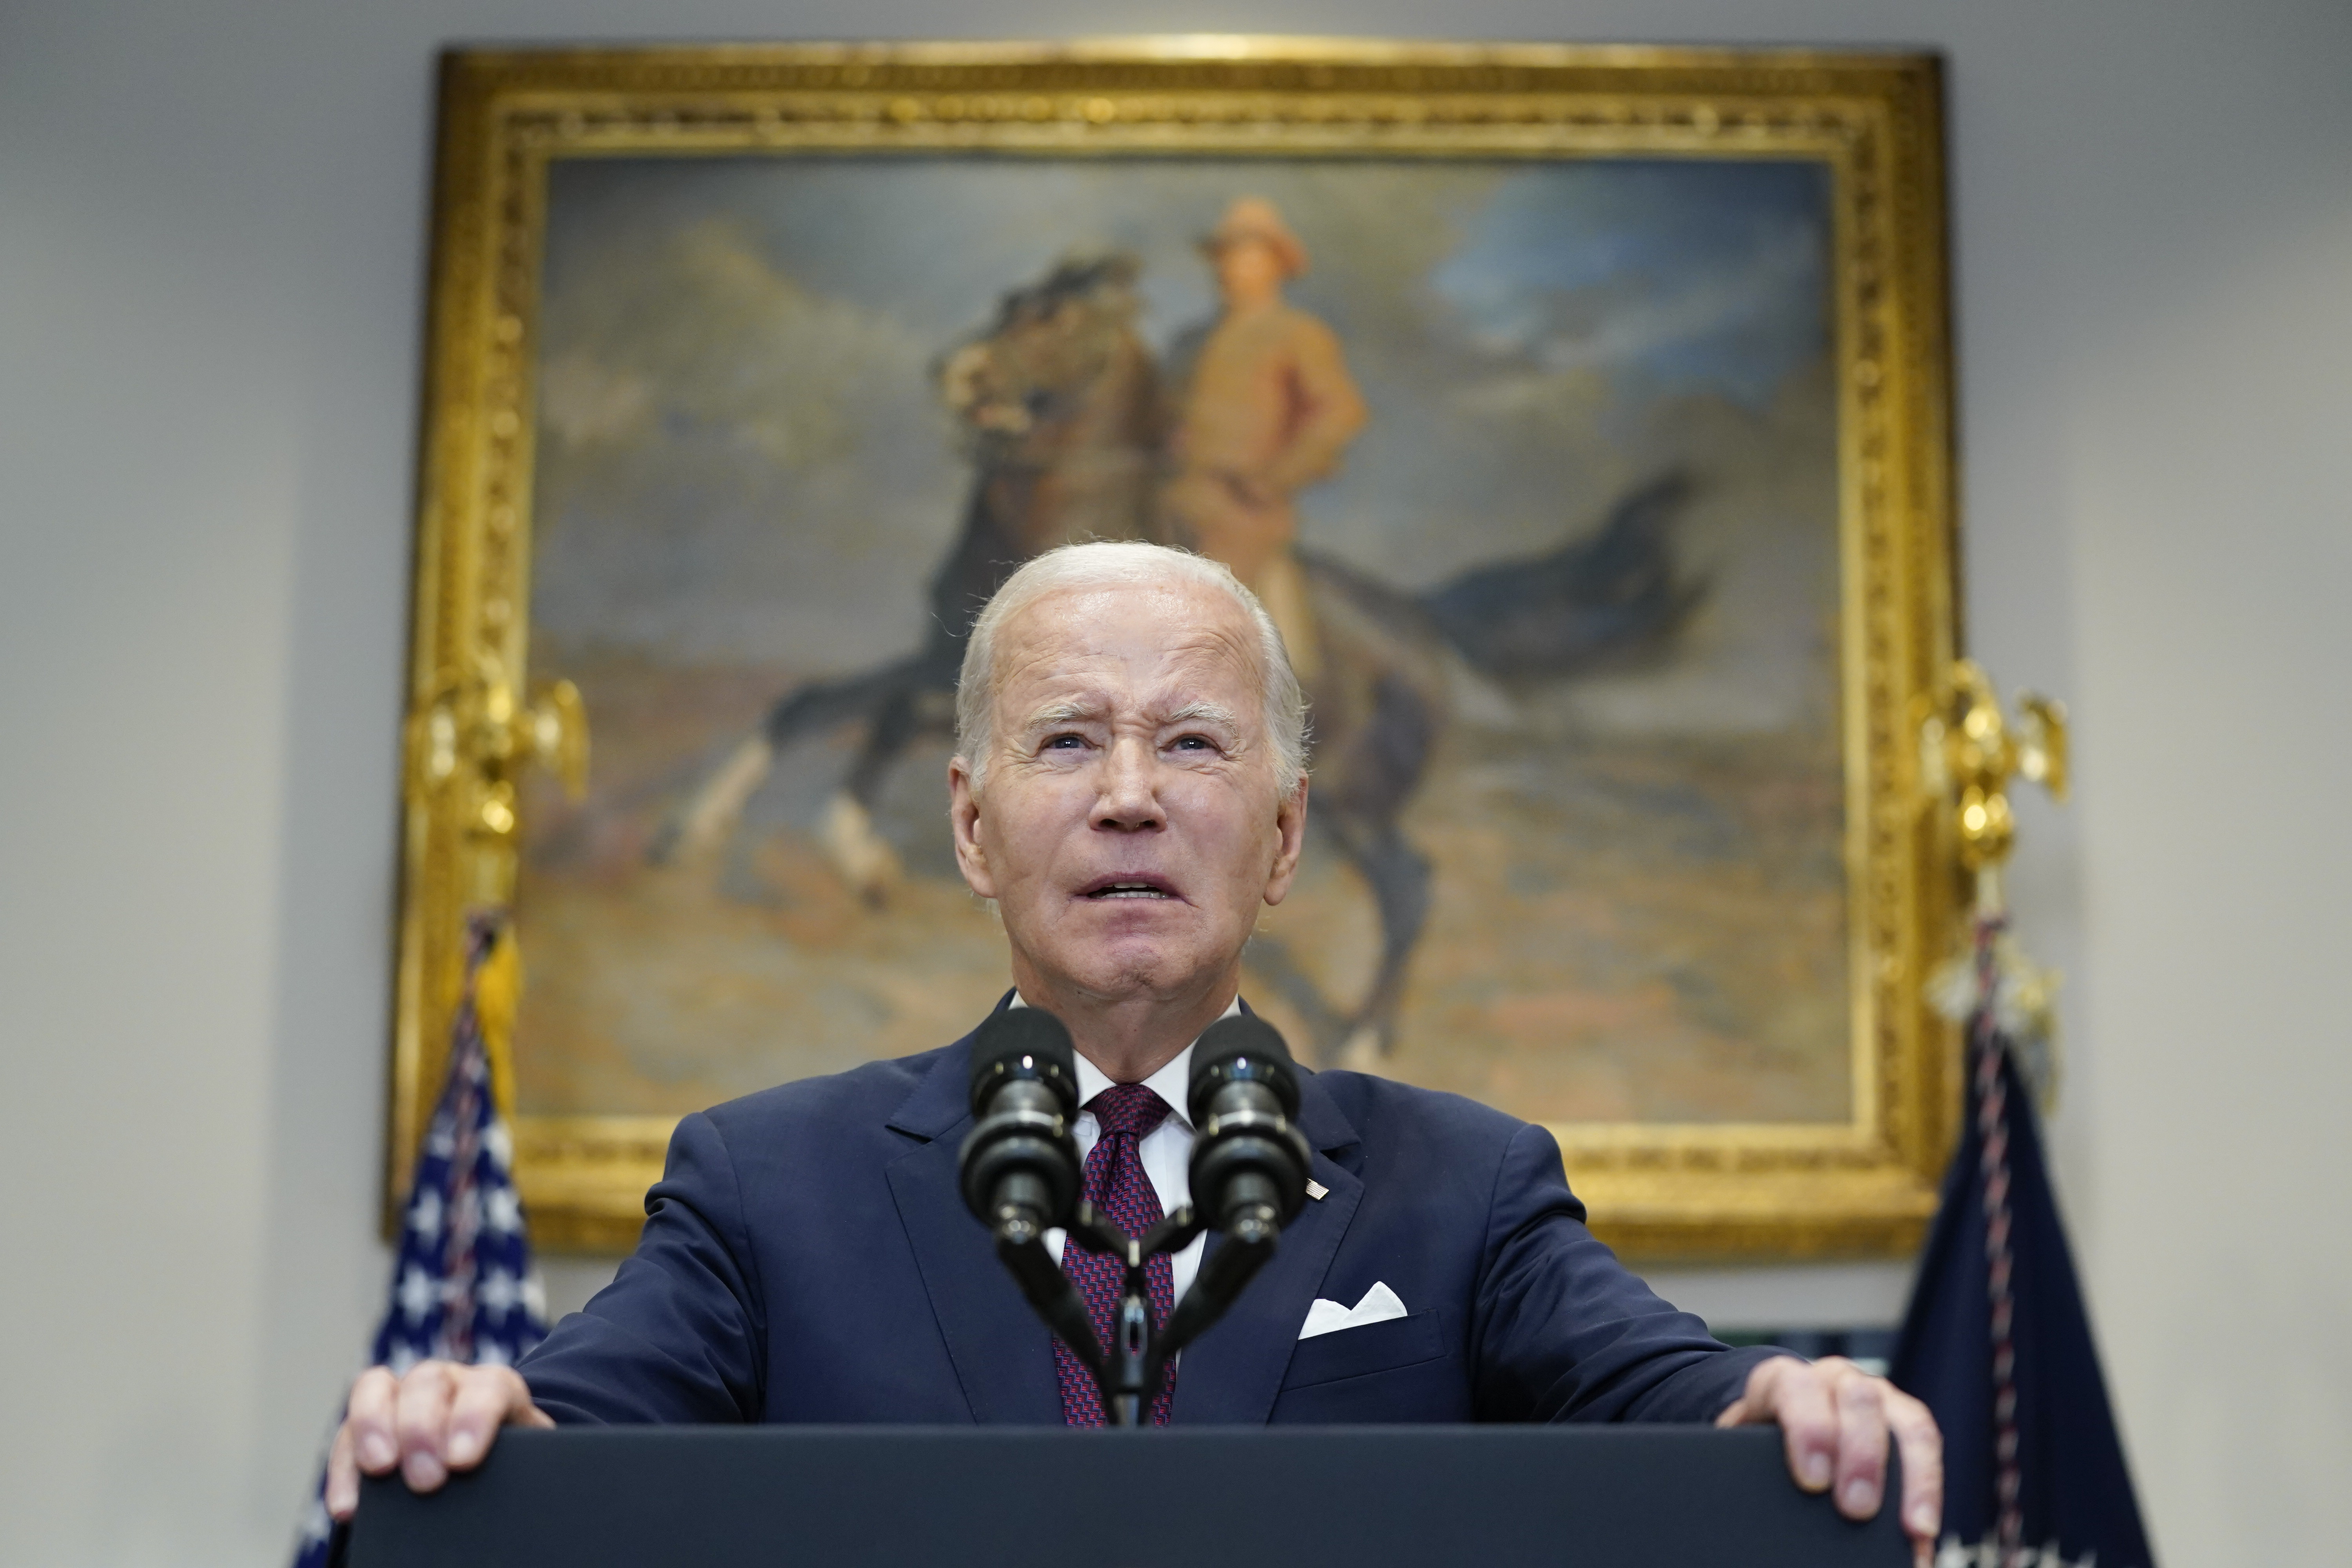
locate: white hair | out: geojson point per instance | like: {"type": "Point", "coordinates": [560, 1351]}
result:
{"type": "Point", "coordinates": [1104, 564]}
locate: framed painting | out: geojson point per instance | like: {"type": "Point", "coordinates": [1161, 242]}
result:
{"type": "Point", "coordinates": [1580, 414]}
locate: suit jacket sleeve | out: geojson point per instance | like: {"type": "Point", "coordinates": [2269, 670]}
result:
{"type": "Point", "coordinates": [676, 1336]}
{"type": "Point", "coordinates": [1562, 1331]}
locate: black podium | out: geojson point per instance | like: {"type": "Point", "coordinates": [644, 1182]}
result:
{"type": "Point", "coordinates": [1363, 1497]}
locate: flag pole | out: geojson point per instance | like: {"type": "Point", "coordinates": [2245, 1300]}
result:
{"type": "Point", "coordinates": [1996, 1341]}
{"type": "Point", "coordinates": [462, 1286]}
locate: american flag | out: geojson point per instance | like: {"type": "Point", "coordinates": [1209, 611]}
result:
{"type": "Point", "coordinates": [462, 1285]}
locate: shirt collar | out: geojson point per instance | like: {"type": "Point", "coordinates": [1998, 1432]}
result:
{"type": "Point", "coordinates": [1170, 1083]}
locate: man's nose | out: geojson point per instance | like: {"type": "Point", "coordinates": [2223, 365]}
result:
{"type": "Point", "coordinates": [1131, 796]}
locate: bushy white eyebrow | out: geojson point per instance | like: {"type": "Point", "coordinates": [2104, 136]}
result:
{"type": "Point", "coordinates": [1204, 712]}
{"type": "Point", "coordinates": [1077, 709]}
{"type": "Point", "coordinates": [1072, 710]}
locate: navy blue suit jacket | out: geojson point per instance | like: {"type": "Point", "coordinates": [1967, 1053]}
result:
{"type": "Point", "coordinates": [808, 1256]}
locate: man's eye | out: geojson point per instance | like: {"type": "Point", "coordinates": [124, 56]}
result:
{"type": "Point", "coordinates": [1195, 743]}
{"type": "Point", "coordinates": [1064, 743]}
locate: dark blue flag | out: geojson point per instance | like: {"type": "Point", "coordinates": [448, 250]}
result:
{"type": "Point", "coordinates": [1997, 1343]}
{"type": "Point", "coordinates": [462, 1286]}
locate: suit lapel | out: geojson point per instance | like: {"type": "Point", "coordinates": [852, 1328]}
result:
{"type": "Point", "coordinates": [1231, 1373]}
{"type": "Point", "coordinates": [1002, 1355]}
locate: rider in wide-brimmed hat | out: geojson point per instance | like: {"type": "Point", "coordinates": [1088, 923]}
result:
{"type": "Point", "coordinates": [1256, 218]}
{"type": "Point", "coordinates": [1269, 407]}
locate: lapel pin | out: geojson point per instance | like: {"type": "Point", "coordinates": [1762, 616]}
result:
{"type": "Point", "coordinates": [1318, 1190]}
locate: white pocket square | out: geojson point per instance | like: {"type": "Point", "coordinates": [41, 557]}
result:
{"type": "Point", "coordinates": [1379, 1305]}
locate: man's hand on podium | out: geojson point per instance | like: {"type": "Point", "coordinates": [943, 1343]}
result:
{"type": "Point", "coordinates": [440, 1417]}
{"type": "Point", "coordinates": [1835, 1419]}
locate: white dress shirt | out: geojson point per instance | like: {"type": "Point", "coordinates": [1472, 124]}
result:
{"type": "Point", "coordinates": [1166, 1150]}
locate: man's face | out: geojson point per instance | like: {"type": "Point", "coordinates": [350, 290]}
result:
{"type": "Point", "coordinates": [1248, 270]}
{"type": "Point", "coordinates": [1129, 825]}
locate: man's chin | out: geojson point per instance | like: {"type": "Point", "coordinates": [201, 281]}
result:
{"type": "Point", "coordinates": [1137, 966]}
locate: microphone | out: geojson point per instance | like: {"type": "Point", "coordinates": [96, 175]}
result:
{"type": "Point", "coordinates": [1249, 1164]}
{"type": "Point", "coordinates": [1019, 1167]}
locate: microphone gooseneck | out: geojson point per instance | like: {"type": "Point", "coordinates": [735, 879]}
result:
{"type": "Point", "coordinates": [1020, 1165]}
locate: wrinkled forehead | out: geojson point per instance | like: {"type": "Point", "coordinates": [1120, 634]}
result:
{"type": "Point", "coordinates": [1142, 648]}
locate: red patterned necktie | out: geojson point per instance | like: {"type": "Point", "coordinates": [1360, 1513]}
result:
{"type": "Point", "coordinates": [1116, 1187]}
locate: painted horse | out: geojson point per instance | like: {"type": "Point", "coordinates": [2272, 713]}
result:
{"type": "Point", "coordinates": [1058, 406]}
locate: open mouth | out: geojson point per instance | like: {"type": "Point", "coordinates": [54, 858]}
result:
{"type": "Point", "coordinates": [1129, 887]}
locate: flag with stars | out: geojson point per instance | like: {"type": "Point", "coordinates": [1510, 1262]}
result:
{"type": "Point", "coordinates": [463, 1289]}
{"type": "Point", "coordinates": [462, 1286]}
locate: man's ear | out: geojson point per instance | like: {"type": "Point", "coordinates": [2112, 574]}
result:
{"type": "Point", "coordinates": [1290, 840]}
{"type": "Point", "coordinates": [963, 817]}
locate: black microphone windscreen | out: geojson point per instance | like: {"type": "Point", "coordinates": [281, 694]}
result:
{"type": "Point", "coordinates": [1010, 1034]}
{"type": "Point", "coordinates": [1243, 1036]}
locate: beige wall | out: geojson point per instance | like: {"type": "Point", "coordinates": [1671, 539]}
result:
{"type": "Point", "coordinates": [211, 232]}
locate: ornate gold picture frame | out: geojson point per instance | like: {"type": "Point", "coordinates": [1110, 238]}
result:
{"type": "Point", "coordinates": [1857, 1178]}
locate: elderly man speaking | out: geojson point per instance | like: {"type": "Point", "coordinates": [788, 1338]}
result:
{"type": "Point", "coordinates": [1129, 787]}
